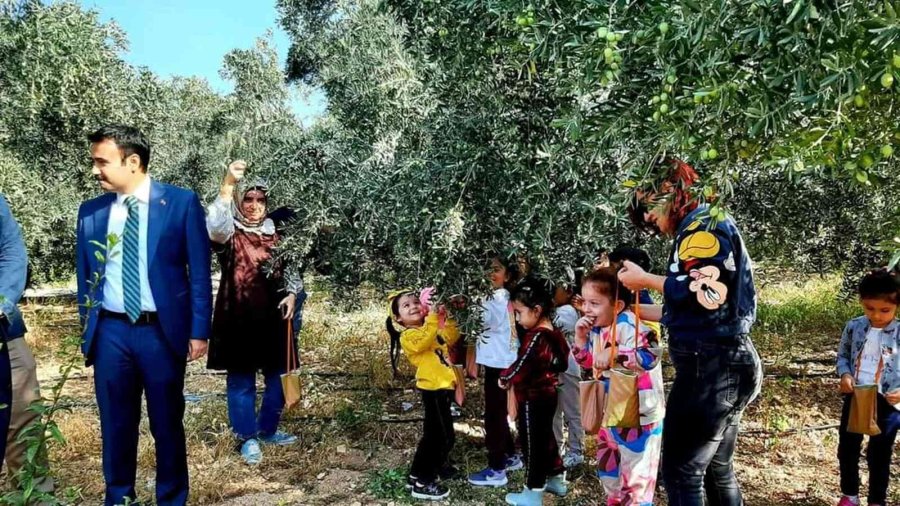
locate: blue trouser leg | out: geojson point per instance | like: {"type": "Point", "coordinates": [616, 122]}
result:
{"type": "Point", "coordinates": [6, 398]}
{"type": "Point", "coordinates": [272, 403]}
{"type": "Point", "coordinates": [163, 378]}
{"type": "Point", "coordinates": [241, 393]}
{"type": "Point", "coordinates": [118, 385]}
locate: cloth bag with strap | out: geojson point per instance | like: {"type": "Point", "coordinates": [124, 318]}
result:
{"type": "Point", "coordinates": [291, 383]}
{"type": "Point", "coordinates": [592, 397]}
{"type": "Point", "coordinates": [608, 403]}
{"type": "Point", "coordinates": [864, 404]}
{"type": "Point", "coordinates": [622, 398]}
{"type": "Point", "coordinates": [459, 392]}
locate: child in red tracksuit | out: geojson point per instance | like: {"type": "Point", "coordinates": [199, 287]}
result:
{"type": "Point", "coordinates": [534, 376]}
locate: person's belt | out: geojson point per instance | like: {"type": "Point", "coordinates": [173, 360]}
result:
{"type": "Point", "coordinates": [146, 317]}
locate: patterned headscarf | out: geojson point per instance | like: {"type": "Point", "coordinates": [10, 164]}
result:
{"type": "Point", "coordinates": [264, 226]}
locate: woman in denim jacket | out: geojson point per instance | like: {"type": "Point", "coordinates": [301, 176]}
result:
{"type": "Point", "coordinates": [709, 308]}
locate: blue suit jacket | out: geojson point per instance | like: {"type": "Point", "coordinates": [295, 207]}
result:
{"type": "Point", "coordinates": [178, 253]}
{"type": "Point", "coordinates": [13, 271]}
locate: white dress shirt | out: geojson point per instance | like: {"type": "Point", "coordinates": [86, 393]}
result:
{"type": "Point", "coordinates": [113, 296]}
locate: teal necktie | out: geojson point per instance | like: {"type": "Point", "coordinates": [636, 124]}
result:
{"type": "Point", "coordinates": [131, 276]}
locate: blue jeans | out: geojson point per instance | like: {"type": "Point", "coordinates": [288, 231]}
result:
{"type": "Point", "coordinates": [878, 455]}
{"type": "Point", "coordinates": [241, 393]}
{"type": "Point", "coordinates": [714, 381]}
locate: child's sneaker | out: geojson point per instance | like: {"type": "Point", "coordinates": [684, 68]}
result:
{"type": "Point", "coordinates": [527, 497]}
{"type": "Point", "coordinates": [557, 485]}
{"type": "Point", "coordinates": [573, 459]}
{"type": "Point", "coordinates": [430, 491]}
{"type": "Point", "coordinates": [411, 482]}
{"type": "Point", "coordinates": [848, 501]}
{"type": "Point", "coordinates": [514, 463]}
{"type": "Point", "coordinates": [488, 477]}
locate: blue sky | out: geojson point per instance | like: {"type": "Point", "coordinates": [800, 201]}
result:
{"type": "Point", "coordinates": [191, 37]}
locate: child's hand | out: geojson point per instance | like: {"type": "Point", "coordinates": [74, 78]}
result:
{"type": "Point", "coordinates": [459, 301]}
{"type": "Point", "coordinates": [425, 297]}
{"type": "Point", "coordinates": [629, 362]}
{"type": "Point", "coordinates": [583, 330]}
{"type": "Point", "coordinates": [602, 359]}
{"type": "Point", "coordinates": [502, 384]}
{"type": "Point", "coordinates": [442, 316]}
{"type": "Point", "coordinates": [578, 303]}
{"type": "Point", "coordinates": [471, 364]}
{"type": "Point", "coordinates": [892, 397]}
{"type": "Point", "coordinates": [847, 383]}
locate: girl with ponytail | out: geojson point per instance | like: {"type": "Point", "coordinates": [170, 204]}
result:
{"type": "Point", "coordinates": [425, 339]}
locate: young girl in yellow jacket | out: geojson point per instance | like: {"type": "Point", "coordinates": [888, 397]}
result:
{"type": "Point", "coordinates": [425, 341]}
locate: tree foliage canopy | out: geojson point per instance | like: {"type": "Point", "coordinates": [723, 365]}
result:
{"type": "Point", "coordinates": [456, 128]}
{"type": "Point", "coordinates": [508, 125]}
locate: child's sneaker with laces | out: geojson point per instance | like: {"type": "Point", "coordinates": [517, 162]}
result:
{"type": "Point", "coordinates": [488, 477]}
{"type": "Point", "coordinates": [514, 463]}
{"type": "Point", "coordinates": [430, 491]}
{"type": "Point", "coordinates": [848, 501]}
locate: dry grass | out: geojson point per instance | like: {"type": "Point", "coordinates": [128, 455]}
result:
{"type": "Point", "coordinates": [349, 455]}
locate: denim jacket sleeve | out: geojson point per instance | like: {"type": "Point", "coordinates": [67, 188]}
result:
{"type": "Point", "coordinates": [13, 261]}
{"type": "Point", "coordinates": [844, 355]}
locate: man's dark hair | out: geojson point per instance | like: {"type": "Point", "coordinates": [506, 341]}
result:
{"type": "Point", "coordinates": [880, 285]}
{"type": "Point", "coordinates": [130, 141]}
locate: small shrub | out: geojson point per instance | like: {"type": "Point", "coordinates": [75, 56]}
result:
{"type": "Point", "coordinates": [387, 483]}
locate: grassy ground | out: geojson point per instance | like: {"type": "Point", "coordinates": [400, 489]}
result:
{"type": "Point", "coordinates": [358, 426]}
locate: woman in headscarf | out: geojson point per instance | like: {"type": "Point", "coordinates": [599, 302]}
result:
{"type": "Point", "coordinates": [254, 305]}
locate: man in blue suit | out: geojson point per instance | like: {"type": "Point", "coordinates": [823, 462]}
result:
{"type": "Point", "coordinates": [148, 315]}
{"type": "Point", "coordinates": [19, 387]}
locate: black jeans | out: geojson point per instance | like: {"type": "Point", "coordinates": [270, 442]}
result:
{"type": "Point", "coordinates": [437, 436]}
{"type": "Point", "coordinates": [714, 381]}
{"type": "Point", "coordinates": [878, 454]}
{"type": "Point", "coordinates": [497, 436]}
{"type": "Point", "coordinates": [535, 423]}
